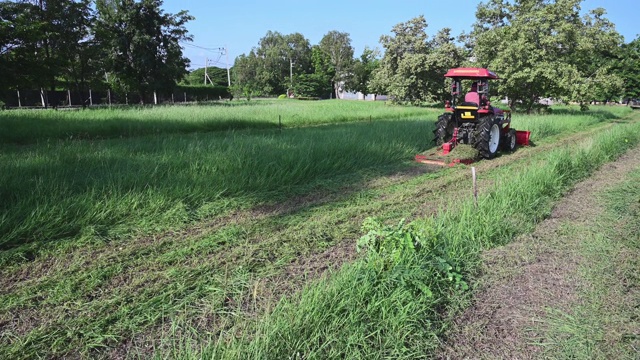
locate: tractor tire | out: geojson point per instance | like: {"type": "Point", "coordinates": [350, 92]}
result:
{"type": "Point", "coordinates": [444, 129]}
{"type": "Point", "coordinates": [486, 137]}
{"type": "Point", "coordinates": [509, 143]}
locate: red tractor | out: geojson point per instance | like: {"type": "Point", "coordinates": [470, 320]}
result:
{"type": "Point", "coordinates": [474, 121]}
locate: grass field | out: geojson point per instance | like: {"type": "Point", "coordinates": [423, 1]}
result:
{"type": "Point", "coordinates": [28, 126]}
{"type": "Point", "coordinates": [160, 242]}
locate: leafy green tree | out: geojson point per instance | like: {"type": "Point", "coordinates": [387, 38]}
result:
{"type": "Point", "coordinates": [245, 73]}
{"type": "Point", "coordinates": [270, 68]}
{"type": "Point", "coordinates": [312, 85]}
{"type": "Point", "coordinates": [323, 71]}
{"type": "Point", "coordinates": [41, 42]}
{"type": "Point", "coordinates": [413, 65]}
{"type": "Point", "coordinates": [140, 44]}
{"type": "Point", "coordinates": [362, 71]}
{"type": "Point", "coordinates": [20, 33]}
{"type": "Point", "coordinates": [545, 48]}
{"type": "Point", "coordinates": [337, 46]}
{"type": "Point", "coordinates": [217, 75]}
{"type": "Point", "coordinates": [627, 69]}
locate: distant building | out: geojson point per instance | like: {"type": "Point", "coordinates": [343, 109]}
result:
{"type": "Point", "coordinates": [345, 95]}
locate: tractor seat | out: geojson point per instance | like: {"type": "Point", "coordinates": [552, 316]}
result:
{"type": "Point", "coordinates": [469, 103]}
{"type": "Point", "coordinates": [472, 97]}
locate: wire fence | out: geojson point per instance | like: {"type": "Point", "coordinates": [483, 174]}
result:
{"type": "Point", "coordinates": [74, 98]}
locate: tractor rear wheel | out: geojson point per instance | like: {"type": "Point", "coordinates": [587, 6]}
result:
{"type": "Point", "coordinates": [444, 129]}
{"type": "Point", "coordinates": [486, 137]}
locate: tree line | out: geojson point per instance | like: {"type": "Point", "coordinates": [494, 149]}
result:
{"type": "Point", "coordinates": [540, 48]}
{"type": "Point", "coordinates": [124, 45]}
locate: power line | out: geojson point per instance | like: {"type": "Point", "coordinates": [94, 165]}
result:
{"type": "Point", "coordinates": [220, 49]}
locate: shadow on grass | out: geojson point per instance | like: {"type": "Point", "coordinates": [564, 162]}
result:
{"type": "Point", "coordinates": [28, 129]}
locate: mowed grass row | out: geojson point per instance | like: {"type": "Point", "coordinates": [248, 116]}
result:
{"type": "Point", "coordinates": [394, 303]}
{"type": "Point", "coordinates": [28, 126]}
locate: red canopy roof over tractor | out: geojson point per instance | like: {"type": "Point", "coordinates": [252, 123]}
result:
{"type": "Point", "coordinates": [471, 73]}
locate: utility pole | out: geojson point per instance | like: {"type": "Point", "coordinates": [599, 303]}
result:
{"type": "Point", "coordinates": [206, 62]}
{"type": "Point", "coordinates": [206, 75]}
{"type": "Point", "coordinates": [226, 51]}
{"type": "Point", "coordinates": [291, 72]}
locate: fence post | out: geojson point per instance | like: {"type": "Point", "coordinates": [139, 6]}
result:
{"type": "Point", "coordinates": [185, 97]}
{"type": "Point", "coordinates": [109, 96]}
{"type": "Point", "coordinates": [155, 98]}
{"type": "Point", "coordinates": [90, 98]}
{"type": "Point", "coordinates": [69, 95]}
{"type": "Point", "coordinates": [19, 101]}
{"type": "Point", "coordinates": [42, 97]}
{"type": "Point", "coordinates": [475, 187]}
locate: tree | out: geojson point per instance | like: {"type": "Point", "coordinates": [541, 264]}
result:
{"type": "Point", "coordinates": [337, 46]}
{"type": "Point", "coordinates": [273, 64]}
{"type": "Point", "coordinates": [140, 44]}
{"type": "Point", "coordinates": [19, 36]}
{"type": "Point", "coordinates": [245, 72]}
{"type": "Point", "coordinates": [41, 42]}
{"type": "Point", "coordinates": [627, 69]}
{"type": "Point", "coordinates": [362, 72]}
{"type": "Point", "coordinates": [217, 75]}
{"type": "Point", "coordinates": [544, 48]}
{"type": "Point", "coordinates": [413, 66]}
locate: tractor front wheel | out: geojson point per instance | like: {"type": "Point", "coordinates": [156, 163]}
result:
{"type": "Point", "coordinates": [486, 137]}
{"type": "Point", "coordinates": [444, 129]}
{"type": "Point", "coordinates": [510, 141]}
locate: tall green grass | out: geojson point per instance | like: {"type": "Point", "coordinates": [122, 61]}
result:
{"type": "Point", "coordinates": [105, 188]}
{"type": "Point", "coordinates": [28, 126]}
{"type": "Point", "coordinates": [108, 188]}
{"type": "Point", "coordinates": [84, 297]}
{"type": "Point", "coordinates": [392, 304]}
{"type": "Point", "coordinates": [566, 119]}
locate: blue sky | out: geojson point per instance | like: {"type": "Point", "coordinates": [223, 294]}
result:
{"type": "Point", "coordinates": [240, 24]}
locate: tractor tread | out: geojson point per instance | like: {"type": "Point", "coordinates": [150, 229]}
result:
{"type": "Point", "coordinates": [482, 137]}
{"type": "Point", "coordinates": [444, 129]}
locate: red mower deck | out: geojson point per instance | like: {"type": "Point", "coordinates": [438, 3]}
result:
{"type": "Point", "coordinates": [439, 157]}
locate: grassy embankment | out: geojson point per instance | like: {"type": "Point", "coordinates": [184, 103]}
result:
{"type": "Point", "coordinates": [95, 300]}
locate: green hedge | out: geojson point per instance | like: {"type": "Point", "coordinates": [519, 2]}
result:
{"type": "Point", "coordinates": [202, 92]}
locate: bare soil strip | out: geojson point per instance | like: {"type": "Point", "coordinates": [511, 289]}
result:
{"type": "Point", "coordinates": [522, 281]}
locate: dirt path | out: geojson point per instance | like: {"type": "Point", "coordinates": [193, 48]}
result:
{"type": "Point", "coordinates": [522, 281]}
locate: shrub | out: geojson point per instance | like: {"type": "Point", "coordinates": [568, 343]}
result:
{"type": "Point", "coordinates": [201, 92]}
